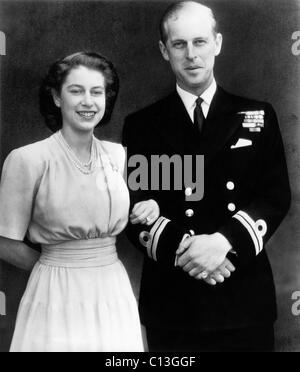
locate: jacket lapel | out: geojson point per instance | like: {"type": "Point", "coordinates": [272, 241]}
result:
{"type": "Point", "coordinates": [176, 126]}
{"type": "Point", "coordinates": [222, 123]}
{"type": "Point", "coordinates": [180, 134]}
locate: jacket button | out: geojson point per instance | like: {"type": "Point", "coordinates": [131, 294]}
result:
{"type": "Point", "coordinates": [261, 227]}
{"type": "Point", "coordinates": [230, 185]}
{"type": "Point", "coordinates": [231, 207]}
{"type": "Point", "coordinates": [188, 191]}
{"type": "Point", "coordinates": [189, 213]}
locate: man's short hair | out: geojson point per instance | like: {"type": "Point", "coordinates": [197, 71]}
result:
{"type": "Point", "coordinates": [172, 11]}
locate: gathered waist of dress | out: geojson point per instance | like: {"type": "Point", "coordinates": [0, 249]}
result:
{"type": "Point", "coordinates": [80, 253]}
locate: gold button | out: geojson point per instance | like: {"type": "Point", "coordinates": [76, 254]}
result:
{"type": "Point", "coordinates": [188, 191]}
{"type": "Point", "coordinates": [230, 185]}
{"type": "Point", "coordinates": [189, 213]}
{"type": "Point", "coordinates": [231, 207]}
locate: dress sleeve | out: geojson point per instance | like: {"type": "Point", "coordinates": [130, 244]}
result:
{"type": "Point", "coordinates": [122, 159]}
{"type": "Point", "coordinates": [17, 192]}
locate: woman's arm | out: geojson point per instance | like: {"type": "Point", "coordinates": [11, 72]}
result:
{"type": "Point", "coordinates": [18, 254]}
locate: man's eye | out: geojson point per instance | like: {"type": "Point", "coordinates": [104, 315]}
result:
{"type": "Point", "coordinates": [178, 45]}
{"type": "Point", "coordinates": [199, 42]}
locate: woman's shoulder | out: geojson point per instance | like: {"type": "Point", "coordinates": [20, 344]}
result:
{"type": "Point", "coordinates": [113, 146]}
{"type": "Point", "coordinates": [32, 154]}
{"type": "Point", "coordinates": [115, 150]}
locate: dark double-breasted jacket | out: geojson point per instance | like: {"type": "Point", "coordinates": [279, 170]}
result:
{"type": "Point", "coordinates": [246, 196]}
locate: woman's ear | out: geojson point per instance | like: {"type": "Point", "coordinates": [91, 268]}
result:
{"type": "Point", "coordinates": [56, 98]}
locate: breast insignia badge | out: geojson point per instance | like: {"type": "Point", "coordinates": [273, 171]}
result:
{"type": "Point", "coordinates": [253, 120]}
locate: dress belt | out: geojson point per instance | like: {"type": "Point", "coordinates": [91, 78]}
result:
{"type": "Point", "coordinates": [80, 253]}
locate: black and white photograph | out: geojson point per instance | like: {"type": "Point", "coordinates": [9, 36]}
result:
{"type": "Point", "coordinates": [150, 178]}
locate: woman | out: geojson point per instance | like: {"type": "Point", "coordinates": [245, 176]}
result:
{"type": "Point", "coordinates": [68, 194]}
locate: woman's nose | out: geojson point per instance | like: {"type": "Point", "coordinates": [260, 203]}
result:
{"type": "Point", "coordinates": [87, 100]}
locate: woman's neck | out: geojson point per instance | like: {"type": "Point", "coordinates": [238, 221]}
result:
{"type": "Point", "coordinates": [80, 142]}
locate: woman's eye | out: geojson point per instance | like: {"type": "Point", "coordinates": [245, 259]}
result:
{"type": "Point", "coordinates": [97, 93]}
{"type": "Point", "coordinates": [75, 91]}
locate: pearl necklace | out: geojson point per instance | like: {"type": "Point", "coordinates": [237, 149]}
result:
{"type": "Point", "coordinates": [86, 168]}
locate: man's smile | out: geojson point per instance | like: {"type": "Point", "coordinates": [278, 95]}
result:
{"type": "Point", "coordinates": [193, 68]}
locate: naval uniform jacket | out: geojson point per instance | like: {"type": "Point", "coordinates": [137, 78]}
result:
{"type": "Point", "coordinates": [246, 196]}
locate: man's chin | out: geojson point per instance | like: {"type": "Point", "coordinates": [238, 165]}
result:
{"type": "Point", "coordinates": [194, 84]}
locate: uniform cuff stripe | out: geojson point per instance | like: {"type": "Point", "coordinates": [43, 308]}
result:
{"type": "Point", "coordinates": [250, 225]}
{"type": "Point", "coordinates": [152, 233]}
{"type": "Point", "coordinates": [155, 233]}
{"type": "Point", "coordinates": [156, 238]}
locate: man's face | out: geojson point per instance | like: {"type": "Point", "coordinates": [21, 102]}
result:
{"type": "Point", "coordinates": [191, 48]}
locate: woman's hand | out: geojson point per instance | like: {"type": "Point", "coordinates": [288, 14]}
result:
{"type": "Point", "coordinates": [145, 213]}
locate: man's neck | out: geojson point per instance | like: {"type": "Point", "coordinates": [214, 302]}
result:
{"type": "Point", "coordinates": [197, 91]}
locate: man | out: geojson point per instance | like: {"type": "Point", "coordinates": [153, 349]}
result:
{"type": "Point", "coordinates": [246, 196]}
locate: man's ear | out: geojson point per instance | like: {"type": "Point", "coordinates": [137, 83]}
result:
{"type": "Point", "coordinates": [218, 41]}
{"type": "Point", "coordinates": [56, 98]}
{"type": "Point", "coordinates": [164, 51]}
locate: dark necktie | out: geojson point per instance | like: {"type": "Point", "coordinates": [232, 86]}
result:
{"type": "Point", "coordinates": [199, 118]}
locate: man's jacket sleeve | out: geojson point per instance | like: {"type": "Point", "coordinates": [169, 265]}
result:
{"type": "Point", "coordinates": [161, 240]}
{"type": "Point", "coordinates": [251, 227]}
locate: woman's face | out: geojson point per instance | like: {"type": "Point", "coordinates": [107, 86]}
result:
{"type": "Point", "coordinates": [82, 99]}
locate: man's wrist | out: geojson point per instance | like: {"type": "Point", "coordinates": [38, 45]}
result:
{"type": "Point", "coordinates": [224, 242]}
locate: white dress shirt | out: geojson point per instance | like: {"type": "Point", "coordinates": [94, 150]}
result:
{"type": "Point", "coordinates": [189, 99]}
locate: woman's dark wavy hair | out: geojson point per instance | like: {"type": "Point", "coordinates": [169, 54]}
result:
{"type": "Point", "coordinates": [57, 75]}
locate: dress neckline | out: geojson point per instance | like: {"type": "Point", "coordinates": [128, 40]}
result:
{"type": "Point", "coordinates": [96, 159]}
{"type": "Point", "coordinates": [87, 168]}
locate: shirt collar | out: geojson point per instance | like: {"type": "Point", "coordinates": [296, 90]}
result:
{"type": "Point", "coordinates": [189, 99]}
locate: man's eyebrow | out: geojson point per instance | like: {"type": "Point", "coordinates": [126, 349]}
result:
{"type": "Point", "coordinates": [184, 41]}
{"type": "Point", "coordinates": [178, 40]}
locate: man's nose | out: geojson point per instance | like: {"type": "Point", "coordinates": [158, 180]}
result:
{"type": "Point", "coordinates": [190, 52]}
{"type": "Point", "coordinates": [87, 99]}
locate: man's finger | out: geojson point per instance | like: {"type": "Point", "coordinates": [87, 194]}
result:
{"type": "Point", "coordinates": [195, 272]}
{"type": "Point", "coordinates": [218, 278]}
{"type": "Point", "coordinates": [188, 267]}
{"type": "Point", "coordinates": [229, 266]}
{"type": "Point", "coordinates": [183, 260]}
{"type": "Point", "coordinates": [209, 281]}
{"type": "Point", "coordinates": [225, 272]}
{"type": "Point", "coordinates": [184, 245]}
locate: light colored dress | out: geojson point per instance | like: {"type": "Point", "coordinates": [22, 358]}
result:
{"type": "Point", "coordinates": [78, 297]}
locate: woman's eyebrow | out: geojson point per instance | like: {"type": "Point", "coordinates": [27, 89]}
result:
{"type": "Point", "coordinates": [81, 86]}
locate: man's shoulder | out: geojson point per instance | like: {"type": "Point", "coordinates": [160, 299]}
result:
{"type": "Point", "coordinates": [156, 108]}
{"type": "Point", "coordinates": [242, 103]}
